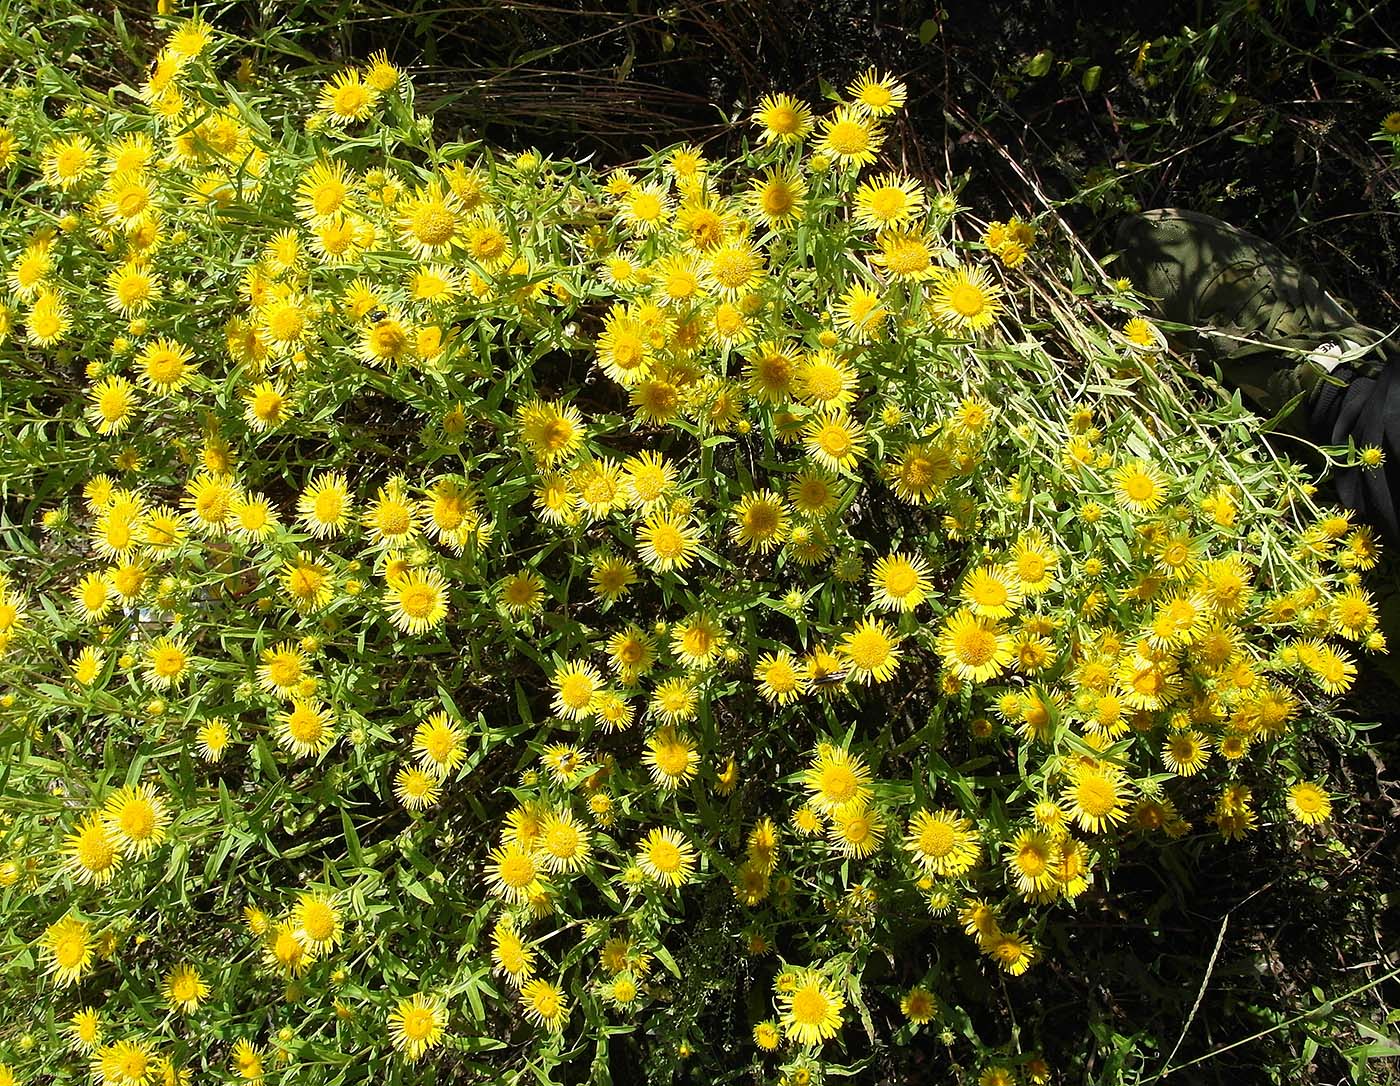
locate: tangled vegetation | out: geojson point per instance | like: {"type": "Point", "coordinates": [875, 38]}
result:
{"type": "Point", "coordinates": [471, 612]}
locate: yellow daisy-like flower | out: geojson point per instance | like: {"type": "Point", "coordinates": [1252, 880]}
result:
{"type": "Point", "coordinates": [165, 365]}
{"type": "Point", "coordinates": [92, 853]}
{"type": "Point", "coordinates": [326, 506]}
{"type": "Point", "coordinates": [920, 470]}
{"type": "Point", "coordinates": [283, 667]}
{"type": "Point", "coordinates": [576, 686]}
{"type": "Point", "coordinates": [545, 1003]}
{"type": "Point", "coordinates": [666, 541]}
{"type": "Point", "coordinates": [834, 440]}
{"type": "Point", "coordinates": [733, 268]}
{"type": "Point", "coordinates": [326, 190]}
{"type": "Point", "coordinates": [783, 119]}
{"type": "Point", "coordinates": [1309, 803]}
{"type": "Point", "coordinates": [1097, 799]}
{"type": "Point", "coordinates": [671, 757]}
{"type": "Point", "coordinates": [856, 831]}
{"type": "Point", "coordinates": [965, 300]}
{"type": "Point", "coordinates": [811, 1010]}
{"type": "Point", "coordinates": [184, 988]}
{"type": "Point", "coordinates": [513, 874]}
{"type": "Point", "coordinates": [836, 780]}
{"type": "Point", "coordinates": [388, 340]}
{"type": "Point", "coordinates": [306, 582]}
{"type": "Point", "coordinates": [888, 201]}
{"type": "Point", "coordinates": [781, 677]}
{"type": "Point", "coordinates": [266, 406]}
{"type": "Point", "coordinates": [440, 744]}
{"type": "Point", "coordinates": [900, 582]}
{"type": "Point", "coordinates": [760, 521]}
{"type": "Point", "coordinates": [877, 94]}
{"type": "Point", "coordinates": [112, 404]}
{"type": "Point", "coordinates": [973, 648]}
{"type": "Point", "coordinates": [510, 953]}
{"type": "Point", "coordinates": [347, 98]}
{"type": "Point", "coordinates": [861, 314]}
{"type": "Point", "coordinates": [1032, 857]}
{"type": "Point", "coordinates": [430, 222]}
{"type": "Point", "coordinates": [318, 922]}
{"type": "Point", "coordinates": [552, 430]}
{"type": "Point", "coordinates": [871, 650]}
{"type": "Point", "coordinates": [68, 946]}
{"type": "Point", "coordinates": [1139, 487]}
{"type": "Point", "coordinates": [850, 136]}
{"type": "Point", "coordinates": [564, 843]}
{"type": "Point", "coordinates": [167, 661]}
{"type": "Point", "coordinates": [624, 349]}
{"type": "Point", "coordinates": [942, 842]}
{"type": "Point", "coordinates": [906, 254]}
{"type": "Point", "coordinates": [306, 728]}
{"type": "Point", "coordinates": [68, 162]}
{"type": "Point", "coordinates": [918, 1005]}
{"type": "Point", "coordinates": [644, 209]}
{"type": "Point", "coordinates": [246, 1062]}
{"type": "Point", "coordinates": [137, 818]}
{"type": "Point", "coordinates": [665, 856]}
{"type": "Point", "coordinates": [390, 519]}
{"type": "Point", "coordinates": [417, 601]}
{"type": "Point", "coordinates": [1185, 753]}
{"type": "Point", "coordinates": [85, 1029]}
{"type": "Point", "coordinates": [418, 1024]}
{"type": "Point", "coordinates": [777, 198]}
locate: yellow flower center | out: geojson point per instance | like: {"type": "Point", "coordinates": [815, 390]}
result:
{"type": "Point", "coordinates": [848, 138]}
{"type": "Point", "coordinates": [517, 870]}
{"type": "Point", "coordinates": [417, 600]}
{"type": "Point", "coordinates": [967, 299]}
{"type": "Point", "coordinates": [665, 856]}
{"type": "Point", "coordinates": [418, 1023]}
{"type": "Point", "coordinates": [137, 820]}
{"type": "Point", "coordinates": [936, 838]}
{"type": "Point", "coordinates": [433, 224]}
{"type": "Point", "coordinates": [318, 921]}
{"type": "Point", "coordinates": [809, 1006]}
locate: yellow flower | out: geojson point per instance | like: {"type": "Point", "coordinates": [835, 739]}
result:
{"type": "Point", "coordinates": [1309, 803]}
{"type": "Point", "coordinates": [850, 136]}
{"type": "Point", "coordinates": [347, 98]}
{"type": "Point", "coordinates": [418, 601]}
{"type": "Point", "coordinates": [888, 201]}
{"type": "Point", "coordinates": [665, 856]}
{"type": "Point", "coordinates": [671, 758]}
{"type": "Point", "coordinates": [137, 818]}
{"type": "Point", "coordinates": [184, 988]}
{"type": "Point", "coordinates": [68, 946]}
{"type": "Point", "coordinates": [877, 94]}
{"type": "Point", "coordinates": [545, 1003]}
{"type": "Point", "coordinates": [811, 1010]}
{"type": "Point", "coordinates": [576, 687]}
{"type": "Point", "coordinates": [782, 118]}
{"type": "Point", "coordinates": [900, 582]}
{"type": "Point", "coordinates": [837, 780]}
{"type": "Point", "coordinates": [965, 300]}
{"type": "Point", "coordinates": [306, 728]}
{"type": "Point", "coordinates": [417, 1024]}
{"type": "Point", "coordinates": [1097, 799]}
{"type": "Point", "coordinates": [871, 650]}
{"type": "Point", "coordinates": [942, 842]}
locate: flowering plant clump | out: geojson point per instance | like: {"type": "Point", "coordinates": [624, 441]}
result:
{"type": "Point", "coordinates": [456, 604]}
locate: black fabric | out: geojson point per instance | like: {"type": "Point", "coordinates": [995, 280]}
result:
{"type": "Point", "coordinates": [1367, 411]}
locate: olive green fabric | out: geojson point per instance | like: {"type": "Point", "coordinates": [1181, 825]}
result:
{"type": "Point", "coordinates": [1253, 311]}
